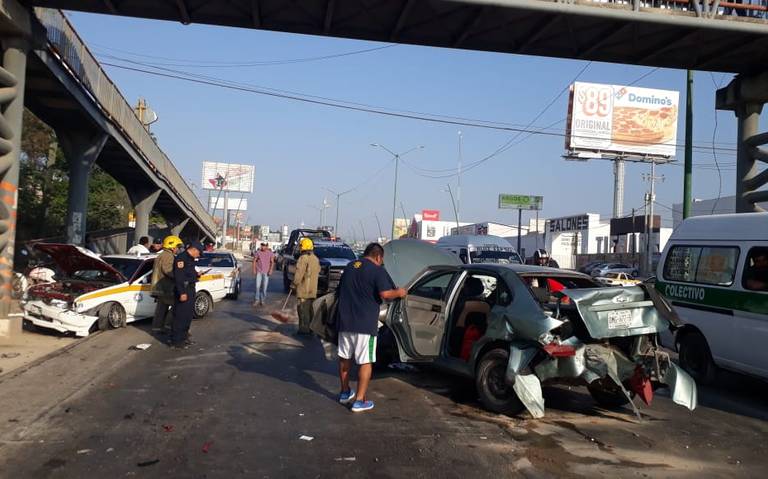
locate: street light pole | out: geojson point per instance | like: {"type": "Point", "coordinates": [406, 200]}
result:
{"type": "Point", "coordinates": [458, 189]}
{"type": "Point", "coordinates": [338, 203]}
{"type": "Point", "coordinates": [397, 157]}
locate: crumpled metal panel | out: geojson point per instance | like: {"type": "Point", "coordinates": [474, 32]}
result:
{"type": "Point", "coordinates": [526, 319]}
{"type": "Point", "coordinates": [519, 358]}
{"type": "Point", "coordinates": [682, 387]}
{"type": "Point", "coordinates": [617, 312]}
{"type": "Point", "coordinates": [528, 390]}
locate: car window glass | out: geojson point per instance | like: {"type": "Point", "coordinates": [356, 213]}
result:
{"type": "Point", "coordinates": [432, 287]}
{"type": "Point", "coordinates": [755, 276]}
{"type": "Point", "coordinates": [714, 265]}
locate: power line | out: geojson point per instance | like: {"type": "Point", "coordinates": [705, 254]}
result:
{"type": "Point", "coordinates": [197, 63]}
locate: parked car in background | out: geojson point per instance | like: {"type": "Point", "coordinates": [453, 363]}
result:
{"type": "Point", "coordinates": [714, 271]}
{"type": "Point", "coordinates": [226, 264]}
{"type": "Point", "coordinates": [513, 327]}
{"type": "Point", "coordinates": [587, 268]}
{"type": "Point", "coordinates": [618, 279]}
{"type": "Point", "coordinates": [98, 293]}
{"type": "Point", "coordinates": [334, 257]}
{"type": "Point", "coordinates": [606, 268]}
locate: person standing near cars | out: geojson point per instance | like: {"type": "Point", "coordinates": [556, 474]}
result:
{"type": "Point", "coordinates": [263, 266]}
{"type": "Point", "coordinates": [305, 283]}
{"type": "Point", "coordinates": [141, 248]}
{"type": "Point", "coordinates": [185, 279]}
{"type": "Point", "coordinates": [162, 284]}
{"type": "Point", "coordinates": [363, 286]}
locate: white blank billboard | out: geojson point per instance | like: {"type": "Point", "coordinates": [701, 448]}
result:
{"type": "Point", "coordinates": [234, 204]}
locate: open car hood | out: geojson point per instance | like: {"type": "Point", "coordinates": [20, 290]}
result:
{"type": "Point", "coordinates": [617, 312]}
{"type": "Point", "coordinates": [404, 259]}
{"type": "Point", "coordinates": [70, 259]}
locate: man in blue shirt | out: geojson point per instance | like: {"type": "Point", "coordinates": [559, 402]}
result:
{"type": "Point", "coordinates": [363, 286]}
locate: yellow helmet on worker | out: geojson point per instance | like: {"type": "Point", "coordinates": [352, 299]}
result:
{"type": "Point", "coordinates": [172, 242]}
{"type": "Point", "coordinates": [306, 244]}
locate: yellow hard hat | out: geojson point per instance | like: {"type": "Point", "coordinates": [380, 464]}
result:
{"type": "Point", "coordinates": [172, 242]}
{"type": "Point", "coordinates": [305, 244]}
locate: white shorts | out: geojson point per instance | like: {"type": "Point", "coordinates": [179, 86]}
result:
{"type": "Point", "coordinates": [357, 346]}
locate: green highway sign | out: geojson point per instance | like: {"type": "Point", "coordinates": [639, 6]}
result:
{"type": "Point", "coordinates": [520, 202]}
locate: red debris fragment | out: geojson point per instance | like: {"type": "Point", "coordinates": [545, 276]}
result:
{"type": "Point", "coordinates": [168, 427]}
{"type": "Point", "coordinates": [640, 383]}
{"type": "Point", "coordinates": [207, 446]}
{"type": "Point", "coordinates": [559, 350]}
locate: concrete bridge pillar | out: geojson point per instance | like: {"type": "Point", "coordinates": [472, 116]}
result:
{"type": "Point", "coordinates": [143, 200]}
{"type": "Point", "coordinates": [12, 74]}
{"type": "Point", "coordinates": [176, 230]}
{"type": "Point", "coordinates": [81, 148]}
{"type": "Point", "coordinates": [745, 96]}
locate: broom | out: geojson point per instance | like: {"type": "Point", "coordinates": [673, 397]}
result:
{"type": "Point", "coordinates": [281, 315]}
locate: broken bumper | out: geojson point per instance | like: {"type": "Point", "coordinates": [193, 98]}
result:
{"type": "Point", "coordinates": [592, 362]}
{"type": "Point", "coordinates": [62, 320]}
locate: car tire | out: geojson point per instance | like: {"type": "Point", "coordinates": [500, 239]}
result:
{"type": "Point", "coordinates": [607, 394]}
{"type": "Point", "coordinates": [203, 305]}
{"type": "Point", "coordinates": [696, 358]}
{"type": "Point", "coordinates": [111, 316]}
{"type": "Point", "coordinates": [494, 392]}
{"type": "Point", "coordinates": [236, 294]}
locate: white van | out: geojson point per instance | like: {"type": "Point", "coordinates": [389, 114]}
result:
{"type": "Point", "coordinates": [714, 271]}
{"type": "Point", "coordinates": [473, 249]}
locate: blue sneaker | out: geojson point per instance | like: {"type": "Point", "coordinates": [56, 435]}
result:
{"type": "Point", "coordinates": [347, 397]}
{"type": "Point", "coordinates": [360, 406]}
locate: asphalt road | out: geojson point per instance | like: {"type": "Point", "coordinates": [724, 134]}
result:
{"type": "Point", "coordinates": [238, 403]}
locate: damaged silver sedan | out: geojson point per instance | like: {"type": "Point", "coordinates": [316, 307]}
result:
{"type": "Point", "coordinates": [515, 327]}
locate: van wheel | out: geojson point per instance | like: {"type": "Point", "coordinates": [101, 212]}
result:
{"type": "Point", "coordinates": [202, 304]}
{"type": "Point", "coordinates": [607, 394]}
{"type": "Point", "coordinates": [696, 358]}
{"type": "Point", "coordinates": [492, 388]}
{"type": "Point", "coordinates": [111, 316]}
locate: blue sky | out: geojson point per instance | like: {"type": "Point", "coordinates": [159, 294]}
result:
{"type": "Point", "coordinates": [298, 148]}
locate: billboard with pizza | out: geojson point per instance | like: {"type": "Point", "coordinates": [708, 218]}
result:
{"type": "Point", "coordinates": [622, 119]}
{"type": "Point", "coordinates": [228, 177]}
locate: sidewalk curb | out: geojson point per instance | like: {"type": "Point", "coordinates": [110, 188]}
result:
{"type": "Point", "coordinates": [22, 369]}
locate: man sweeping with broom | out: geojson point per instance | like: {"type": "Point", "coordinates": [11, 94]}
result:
{"type": "Point", "coordinates": [305, 283]}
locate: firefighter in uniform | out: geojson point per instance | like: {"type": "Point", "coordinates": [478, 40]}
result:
{"type": "Point", "coordinates": [185, 278]}
{"type": "Point", "coordinates": [305, 283]}
{"type": "Point", "coordinates": [162, 284]}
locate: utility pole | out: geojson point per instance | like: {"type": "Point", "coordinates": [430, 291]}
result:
{"type": "Point", "coordinates": [651, 197]}
{"type": "Point", "coordinates": [362, 229]}
{"type": "Point", "coordinates": [376, 215]}
{"type": "Point", "coordinates": [458, 174]}
{"type": "Point", "coordinates": [618, 187]}
{"type": "Point", "coordinates": [338, 203]}
{"type": "Point", "coordinates": [688, 166]}
{"type": "Point", "coordinates": [455, 211]}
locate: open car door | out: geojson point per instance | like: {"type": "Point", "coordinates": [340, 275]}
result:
{"type": "Point", "coordinates": [418, 321]}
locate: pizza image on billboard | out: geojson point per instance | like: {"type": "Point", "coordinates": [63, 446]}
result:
{"type": "Point", "coordinates": [623, 119]}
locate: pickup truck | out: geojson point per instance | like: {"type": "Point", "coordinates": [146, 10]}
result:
{"type": "Point", "coordinates": [333, 255]}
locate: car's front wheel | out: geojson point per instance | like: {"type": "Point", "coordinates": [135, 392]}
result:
{"type": "Point", "coordinates": [696, 358]}
{"type": "Point", "coordinates": [203, 304]}
{"type": "Point", "coordinates": [111, 316]}
{"type": "Point", "coordinates": [492, 388]}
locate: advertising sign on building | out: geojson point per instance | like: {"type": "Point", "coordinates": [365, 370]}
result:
{"type": "Point", "coordinates": [570, 223]}
{"type": "Point", "coordinates": [520, 202]}
{"type": "Point", "coordinates": [227, 177]}
{"type": "Point", "coordinates": [430, 215]}
{"type": "Point", "coordinates": [622, 119]}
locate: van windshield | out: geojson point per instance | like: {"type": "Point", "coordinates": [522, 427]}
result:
{"type": "Point", "coordinates": [495, 256]}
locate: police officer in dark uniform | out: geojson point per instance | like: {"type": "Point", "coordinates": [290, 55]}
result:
{"type": "Point", "coordinates": [184, 277]}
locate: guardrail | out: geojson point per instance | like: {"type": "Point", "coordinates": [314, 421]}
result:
{"type": "Point", "coordinates": [741, 9]}
{"type": "Point", "coordinates": [64, 41]}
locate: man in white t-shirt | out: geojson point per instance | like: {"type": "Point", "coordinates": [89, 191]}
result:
{"type": "Point", "coordinates": [140, 248]}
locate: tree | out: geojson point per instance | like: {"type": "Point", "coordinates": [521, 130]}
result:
{"type": "Point", "coordinates": [44, 182]}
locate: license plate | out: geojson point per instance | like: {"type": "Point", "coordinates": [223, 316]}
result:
{"type": "Point", "coordinates": [621, 319]}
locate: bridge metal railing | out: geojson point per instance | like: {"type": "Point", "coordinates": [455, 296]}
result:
{"type": "Point", "coordinates": [64, 41]}
{"type": "Point", "coordinates": [738, 9]}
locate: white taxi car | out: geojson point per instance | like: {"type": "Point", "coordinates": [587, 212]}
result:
{"type": "Point", "coordinates": [618, 279]}
{"type": "Point", "coordinates": [97, 293]}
